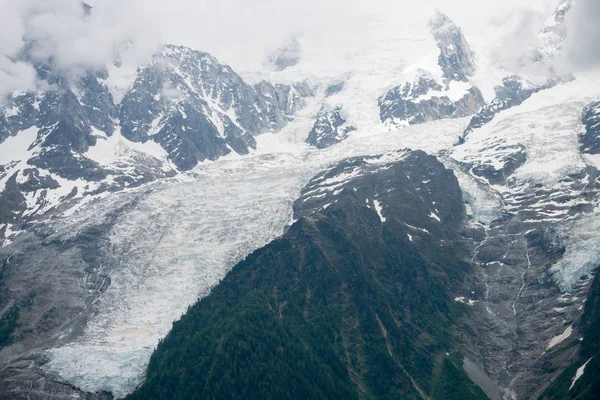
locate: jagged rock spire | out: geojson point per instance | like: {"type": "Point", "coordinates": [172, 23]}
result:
{"type": "Point", "coordinates": [456, 58]}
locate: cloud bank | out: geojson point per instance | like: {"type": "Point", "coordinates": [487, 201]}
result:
{"type": "Point", "coordinates": [242, 33]}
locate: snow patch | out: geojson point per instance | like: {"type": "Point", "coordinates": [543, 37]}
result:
{"type": "Point", "coordinates": [560, 338]}
{"type": "Point", "coordinates": [378, 208]}
{"type": "Point", "coordinates": [464, 300]}
{"type": "Point", "coordinates": [111, 149]}
{"type": "Point", "coordinates": [455, 92]}
{"type": "Point", "coordinates": [579, 373]}
{"type": "Point", "coordinates": [433, 215]}
{"type": "Point", "coordinates": [16, 148]}
{"type": "Point", "coordinates": [417, 228]}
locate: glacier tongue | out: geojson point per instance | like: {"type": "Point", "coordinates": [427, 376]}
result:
{"type": "Point", "coordinates": [171, 248]}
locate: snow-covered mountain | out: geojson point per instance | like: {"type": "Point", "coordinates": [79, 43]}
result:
{"type": "Point", "coordinates": [103, 133]}
{"type": "Point", "coordinates": [128, 194]}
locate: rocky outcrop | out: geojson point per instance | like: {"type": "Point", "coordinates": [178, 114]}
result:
{"type": "Point", "coordinates": [589, 141]}
{"type": "Point", "coordinates": [334, 88]}
{"type": "Point", "coordinates": [513, 92]}
{"type": "Point", "coordinates": [199, 109]}
{"type": "Point", "coordinates": [330, 128]}
{"type": "Point", "coordinates": [426, 100]}
{"type": "Point", "coordinates": [456, 59]}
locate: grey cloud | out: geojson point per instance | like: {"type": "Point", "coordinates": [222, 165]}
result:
{"type": "Point", "coordinates": [583, 42]}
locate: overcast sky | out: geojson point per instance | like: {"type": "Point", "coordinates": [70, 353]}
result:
{"type": "Point", "coordinates": [583, 43]}
{"type": "Point", "coordinates": [242, 32]}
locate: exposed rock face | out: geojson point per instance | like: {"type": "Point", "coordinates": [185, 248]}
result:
{"type": "Point", "coordinates": [527, 324]}
{"type": "Point", "coordinates": [426, 100]}
{"type": "Point", "coordinates": [330, 128]}
{"type": "Point", "coordinates": [456, 58]}
{"type": "Point", "coordinates": [590, 140]}
{"type": "Point", "coordinates": [197, 108]}
{"type": "Point", "coordinates": [334, 88]}
{"type": "Point", "coordinates": [64, 126]}
{"type": "Point", "coordinates": [12, 202]}
{"type": "Point", "coordinates": [165, 106]}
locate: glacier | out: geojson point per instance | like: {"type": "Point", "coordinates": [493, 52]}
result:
{"type": "Point", "coordinates": [175, 243]}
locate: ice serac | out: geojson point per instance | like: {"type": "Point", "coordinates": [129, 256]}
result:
{"type": "Point", "coordinates": [330, 127]}
{"type": "Point", "coordinates": [456, 59]}
{"type": "Point", "coordinates": [199, 109]}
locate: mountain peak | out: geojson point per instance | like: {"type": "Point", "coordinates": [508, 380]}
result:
{"type": "Point", "coordinates": [441, 22]}
{"type": "Point", "coordinates": [456, 57]}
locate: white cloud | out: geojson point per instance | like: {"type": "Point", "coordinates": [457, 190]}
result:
{"type": "Point", "coordinates": [519, 38]}
{"type": "Point", "coordinates": [239, 32]}
{"type": "Point", "coordinates": [13, 75]}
